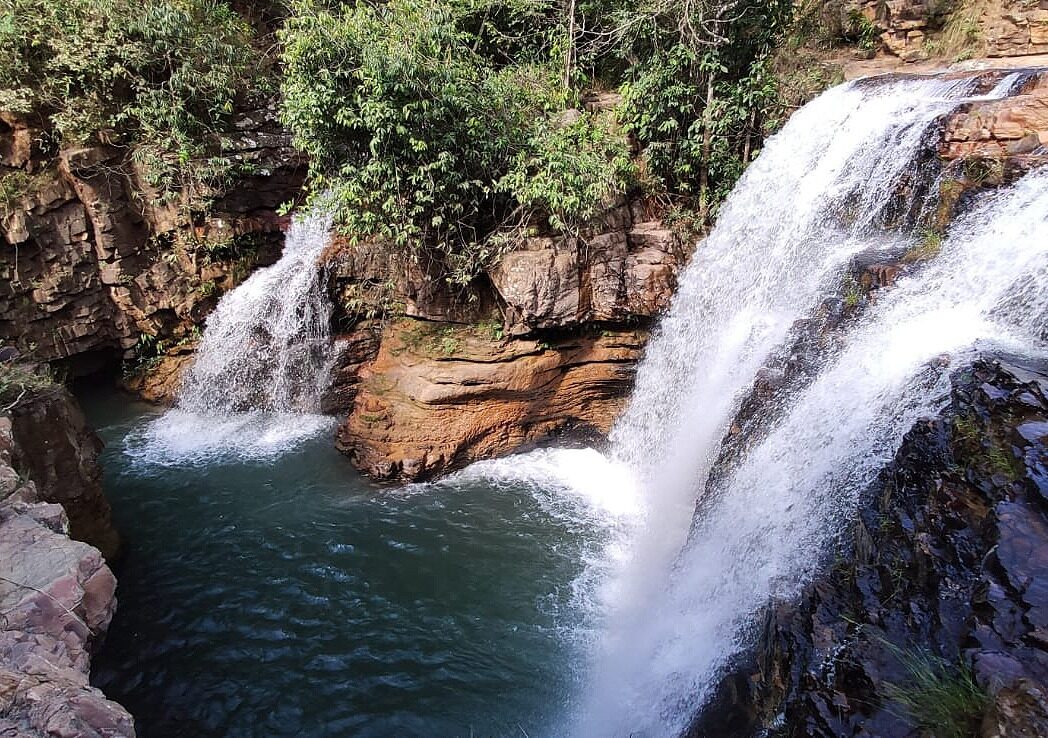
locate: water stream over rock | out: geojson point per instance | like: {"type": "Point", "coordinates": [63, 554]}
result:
{"type": "Point", "coordinates": [263, 364]}
{"type": "Point", "coordinates": [692, 585]}
{"type": "Point", "coordinates": [564, 592]}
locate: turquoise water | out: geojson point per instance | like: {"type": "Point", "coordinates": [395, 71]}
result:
{"type": "Point", "coordinates": [287, 596]}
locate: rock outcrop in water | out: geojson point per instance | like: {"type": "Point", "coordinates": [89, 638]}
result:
{"type": "Point", "coordinates": [944, 570]}
{"type": "Point", "coordinates": [556, 357]}
{"type": "Point", "coordinates": [438, 398]}
{"type": "Point", "coordinates": [59, 452]}
{"type": "Point", "coordinates": [57, 595]}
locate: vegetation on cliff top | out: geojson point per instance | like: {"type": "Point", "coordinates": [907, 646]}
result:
{"type": "Point", "coordinates": [163, 76]}
{"type": "Point", "coordinates": [441, 124]}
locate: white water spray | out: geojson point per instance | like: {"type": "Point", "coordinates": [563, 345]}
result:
{"type": "Point", "coordinates": [263, 364]}
{"type": "Point", "coordinates": [821, 192]}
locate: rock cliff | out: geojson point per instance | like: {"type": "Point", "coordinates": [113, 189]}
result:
{"type": "Point", "coordinates": [57, 450]}
{"type": "Point", "coordinates": [57, 595]}
{"type": "Point", "coordinates": [940, 586]}
{"type": "Point", "coordinates": [96, 266]}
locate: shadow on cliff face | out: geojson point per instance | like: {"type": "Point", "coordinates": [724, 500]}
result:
{"type": "Point", "coordinates": [947, 566]}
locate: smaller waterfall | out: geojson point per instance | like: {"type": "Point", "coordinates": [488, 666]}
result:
{"type": "Point", "coordinates": [266, 345]}
{"type": "Point", "coordinates": [263, 364]}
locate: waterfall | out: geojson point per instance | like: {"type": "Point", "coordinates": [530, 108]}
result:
{"type": "Point", "coordinates": [263, 363]}
{"type": "Point", "coordinates": [705, 554]}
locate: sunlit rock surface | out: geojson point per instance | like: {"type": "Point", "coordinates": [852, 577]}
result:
{"type": "Point", "coordinates": [57, 597]}
{"type": "Point", "coordinates": [438, 398]}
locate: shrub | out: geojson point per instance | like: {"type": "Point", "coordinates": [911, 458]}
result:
{"type": "Point", "coordinates": [423, 129]}
{"type": "Point", "coordinates": [163, 74]}
{"type": "Point", "coordinates": [699, 101]}
{"type": "Point", "coordinates": [569, 170]}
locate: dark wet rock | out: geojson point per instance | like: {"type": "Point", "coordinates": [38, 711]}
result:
{"type": "Point", "coordinates": [949, 558]}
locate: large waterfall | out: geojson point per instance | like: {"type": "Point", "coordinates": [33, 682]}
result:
{"type": "Point", "coordinates": [263, 364]}
{"type": "Point", "coordinates": [703, 555]}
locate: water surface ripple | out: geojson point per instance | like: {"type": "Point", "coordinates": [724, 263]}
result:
{"type": "Point", "coordinates": [287, 597]}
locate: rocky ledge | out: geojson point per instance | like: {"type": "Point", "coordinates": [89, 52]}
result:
{"type": "Point", "coordinates": [57, 597]}
{"type": "Point", "coordinates": [938, 598]}
{"type": "Point", "coordinates": [918, 29]}
{"type": "Point", "coordinates": [438, 397]}
{"type": "Point", "coordinates": [543, 345]}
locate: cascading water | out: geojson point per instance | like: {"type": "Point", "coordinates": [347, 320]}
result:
{"type": "Point", "coordinates": [668, 563]}
{"type": "Point", "coordinates": [691, 579]}
{"type": "Point", "coordinates": [263, 364]}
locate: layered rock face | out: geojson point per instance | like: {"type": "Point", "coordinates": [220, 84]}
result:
{"type": "Point", "coordinates": [944, 571]}
{"type": "Point", "coordinates": [1015, 27]}
{"type": "Point", "coordinates": [902, 25]}
{"type": "Point", "coordinates": [57, 597]}
{"type": "Point", "coordinates": [1012, 129]}
{"type": "Point", "coordinates": [624, 269]}
{"type": "Point", "coordinates": [438, 398]}
{"type": "Point", "coordinates": [557, 355]}
{"type": "Point", "coordinates": [93, 259]}
{"type": "Point", "coordinates": [917, 29]}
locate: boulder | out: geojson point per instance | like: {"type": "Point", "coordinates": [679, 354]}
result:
{"type": "Point", "coordinates": [438, 397]}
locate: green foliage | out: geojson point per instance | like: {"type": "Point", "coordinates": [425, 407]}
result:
{"type": "Point", "coordinates": [570, 170]}
{"type": "Point", "coordinates": [929, 246]}
{"type": "Point", "coordinates": [440, 125]}
{"type": "Point", "coordinates": [939, 697]}
{"type": "Point", "coordinates": [14, 185]}
{"type": "Point", "coordinates": [449, 343]}
{"type": "Point", "coordinates": [434, 124]}
{"type": "Point", "coordinates": [20, 381]}
{"type": "Point", "coordinates": [147, 352]}
{"type": "Point", "coordinates": [983, 450]}
{"type": "Point", "coordinates": [491, 329]}
{"type": "Point", "coordinates": [699, 100]}
{"type": "Point", "coordinates": [406, 124]}
{"type": "Point", "coordinates": [862, 30]}
{"type": "Point", "coordinates": [163, 74]}
{"type": "Point", "coordinates": [208, 288]}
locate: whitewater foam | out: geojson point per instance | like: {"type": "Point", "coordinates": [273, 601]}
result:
{"type": "Point", "coordinates": [263, 364]}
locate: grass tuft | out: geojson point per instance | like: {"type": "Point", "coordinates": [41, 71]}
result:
{"type": "Point", "coordinates": [939, 697]}
{"type": "Point", "coordinates": [19, 382]}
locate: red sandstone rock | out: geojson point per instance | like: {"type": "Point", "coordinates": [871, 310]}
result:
{"type": "Point", "coordinates": [57, 597]}
{"type": "Point", "coordinates": [437, 397]}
